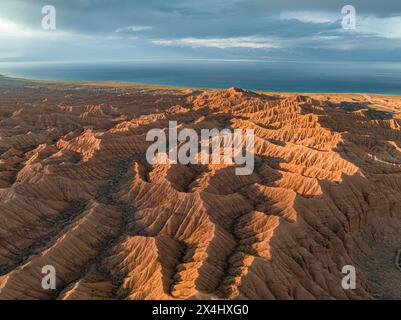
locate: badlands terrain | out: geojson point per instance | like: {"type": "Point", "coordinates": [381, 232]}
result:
{"type": "Point", "coordinates": [76, 192]}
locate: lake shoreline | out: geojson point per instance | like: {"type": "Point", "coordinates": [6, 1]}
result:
{"type": "Point", "coordinates": [138, 85]}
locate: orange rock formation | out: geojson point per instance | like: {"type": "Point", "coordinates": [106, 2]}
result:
{"type": "Point", "coordinates": [77, 193]}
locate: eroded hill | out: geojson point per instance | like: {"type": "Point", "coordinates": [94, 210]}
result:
{"type": "Point", "coordinates": [76, 192]}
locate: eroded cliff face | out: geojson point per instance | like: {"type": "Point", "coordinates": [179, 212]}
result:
{"type": "Point", "coordinates": [76, 192]}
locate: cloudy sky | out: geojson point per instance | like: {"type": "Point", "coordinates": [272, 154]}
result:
{"type": "Point", "coordinates": [202, 29]}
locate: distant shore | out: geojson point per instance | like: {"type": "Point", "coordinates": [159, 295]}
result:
{"type": "Point", "coordinates": [134, 85]}
{"type": "Point", "coordinates": [111, 84]}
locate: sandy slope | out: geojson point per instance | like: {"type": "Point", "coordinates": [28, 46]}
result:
{"type": "Point", "coordinates": [76, 192]}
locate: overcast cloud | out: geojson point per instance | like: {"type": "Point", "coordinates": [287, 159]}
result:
{"type": "Point", "coordinates": [209, 29]}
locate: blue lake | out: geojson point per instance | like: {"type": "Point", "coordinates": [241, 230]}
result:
{"type": "Point", "coordinates": [369, 77]}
